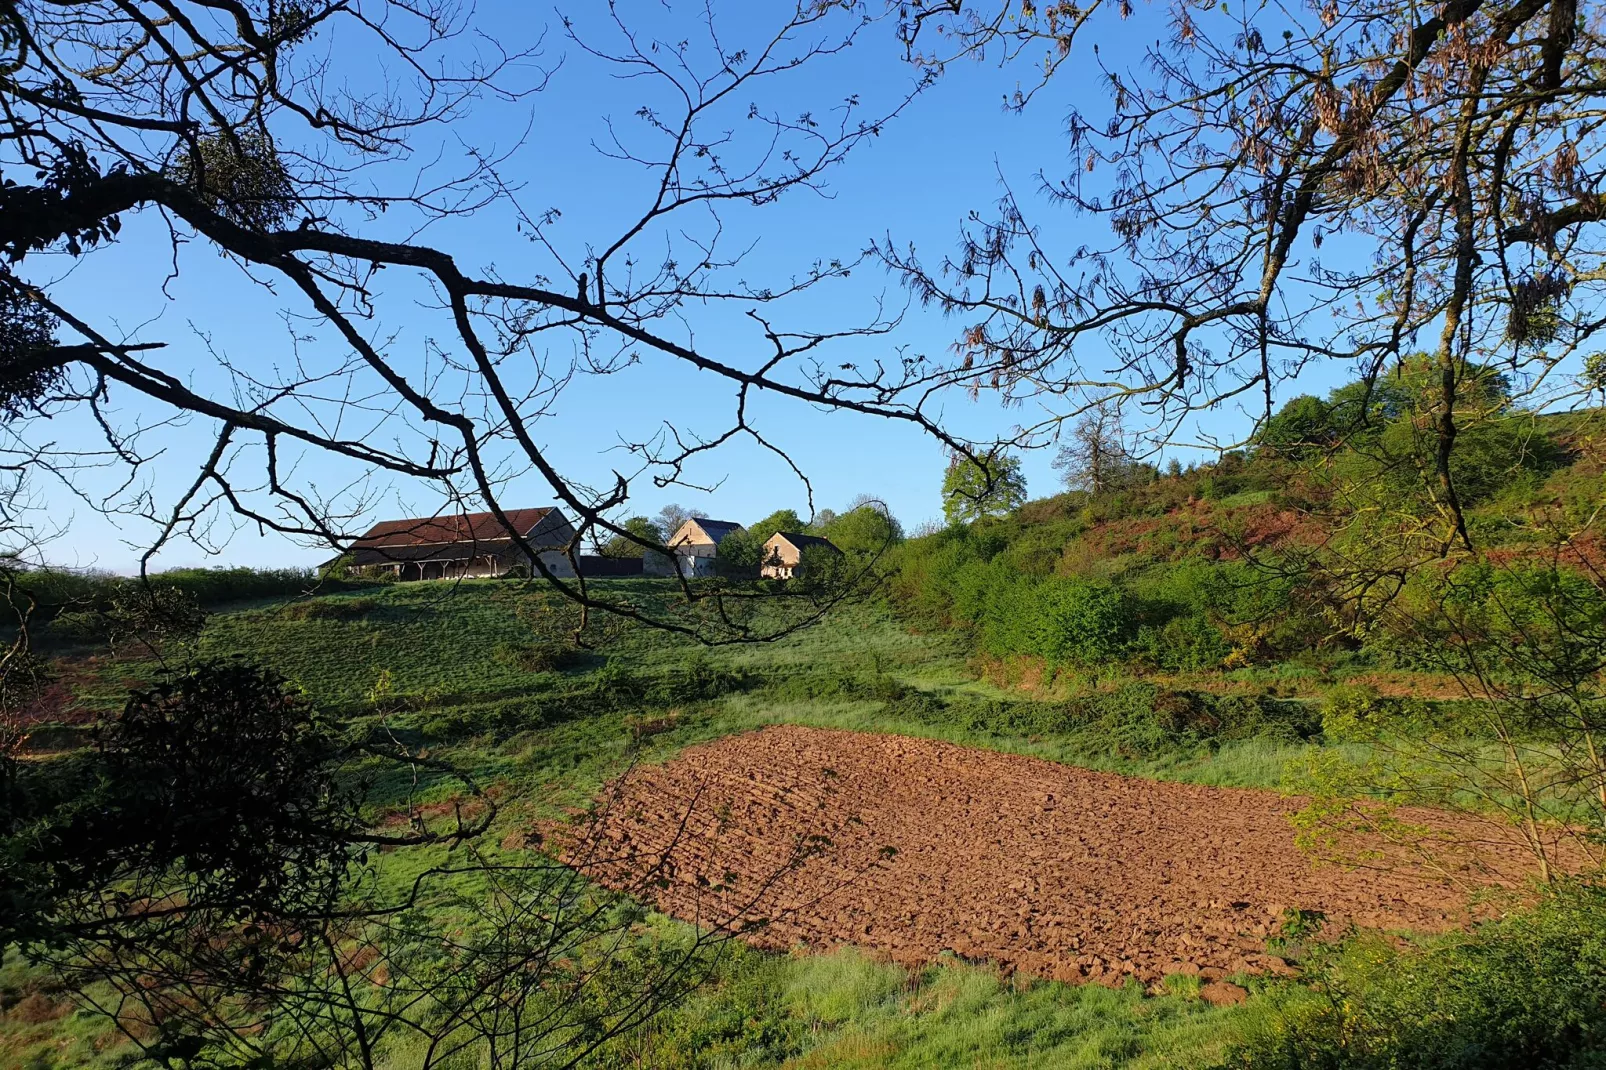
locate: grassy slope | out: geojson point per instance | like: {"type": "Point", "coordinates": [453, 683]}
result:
{"type": "Point", "coordinates": [438, 643]}
{"type": "Point", "coordinates": [435, 643]}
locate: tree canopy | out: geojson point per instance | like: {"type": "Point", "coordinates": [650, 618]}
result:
{"type": "Point", "coordinates": [639, 530]}
{"type": "Point", "coordinates": [971, 491]}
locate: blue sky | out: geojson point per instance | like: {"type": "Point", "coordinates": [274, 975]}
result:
{"type": "Point", "coordinates": [914, 185]}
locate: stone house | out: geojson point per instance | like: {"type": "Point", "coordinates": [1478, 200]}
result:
{"type": "Point", "coordinates": [695, 545]}
{"type": "Point", "coordinates": [783, 554]}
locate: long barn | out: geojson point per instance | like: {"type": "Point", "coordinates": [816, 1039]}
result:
{"type": "Point", "coordinates": [466, 545]}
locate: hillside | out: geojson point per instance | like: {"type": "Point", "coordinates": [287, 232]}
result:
{"type": "Point", "coordinates": [1285, 631]}
{"type": "Point", "coordinates": [441, 664]}
{"type": "Point", "coordinates": [1311, 560]}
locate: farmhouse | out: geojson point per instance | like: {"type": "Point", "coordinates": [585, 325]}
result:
{"type": "Point", "coordinates": [695, 544]}
{"type": "Point", "coordinates": [465, 545]}
{"type": "Point", "coordinates": [783, 553]}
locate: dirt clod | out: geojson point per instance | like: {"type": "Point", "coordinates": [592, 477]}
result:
{"type": "Point", "coordinates": [1223, 993]}
{"type": "Point", "coordinates": [913, 847]}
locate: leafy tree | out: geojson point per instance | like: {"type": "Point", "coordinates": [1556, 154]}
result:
{"type": "Point", "coordinates": [639, 526]}
{"type": "Point", "coordinates": [865, 529]}
{"type": "Point", "coordinates": [1360, 408]}
{"type": "Point", "coordinates": [780, 520]}
{"type": "Point", "coordinates": [740, 552]}
{"type": "Point", "coordinates": [1303, 426]}
{"type": "Point", "coordinates": [971, 491]}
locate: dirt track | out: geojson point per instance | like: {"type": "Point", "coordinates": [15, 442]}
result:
{"type": "Point", "coordinates": [1057, 871]}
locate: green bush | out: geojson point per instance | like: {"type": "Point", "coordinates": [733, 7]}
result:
{"type": "Point", "coordinates": [1079, 623]}
{"type": "Point", "coordinates": [1353, 713]}
{"type": "Point", "coordinates": [1528, 991]}
{"type": "Point", "coordinates": [698, 681]}
{"type": "Point", "coordinates": [541, 656]}
{"type": "Point", "coordinates": [329, 609]}
{"type": "Point", "coordinates": [56, 591]}
{"type": "Point", "coordinates": [1183, 644]}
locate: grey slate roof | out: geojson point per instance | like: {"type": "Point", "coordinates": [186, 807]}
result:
{"type": "Point", "coordinates": [803, 542]}
{"type": "Point", "coordinates": [717, 529]}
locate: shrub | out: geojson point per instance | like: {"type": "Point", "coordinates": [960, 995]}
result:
{"type": "Point", "coordinates": [699, 681]}
{"type": "Point", "coordinates": [1350, 712]}
{"type": "Point", "coordinates": [542, 656]}
{"type": "Point", "coordinates": [1525, 991]}
{"type": "Point", "coordinates": [1079, 623]}
{"type": "Point", "coordinates": [1184, 644]}
{"type": "Point", "coordinates": [329, 609]}
{"type": "Point", "coordinates": [219, 787]}
{"type": "Point", "coordinates": [57, 591]}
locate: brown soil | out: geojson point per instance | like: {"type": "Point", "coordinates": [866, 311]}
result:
{"type": "Point", "coordinates": [1056, 871]}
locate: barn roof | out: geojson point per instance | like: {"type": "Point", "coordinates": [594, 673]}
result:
{"type": "Point", "coordinates": [363, 556]}
{"type": "Point", "coordinates": [457, 528]}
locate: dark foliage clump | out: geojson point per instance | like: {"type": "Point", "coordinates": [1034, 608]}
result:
{"type": "Point", "coordinates": [40, 216]}
{"type": "Point", "coordinates": [239, 175]}
{"type": "Point", "coordinates": [27, 335]}
{"type": "Point", "coordinates": [1535, 317]}
{"type": "Point", "coordinates": [219, 789]}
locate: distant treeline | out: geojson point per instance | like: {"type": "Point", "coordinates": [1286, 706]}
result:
{"type": "Point", "coordinates": [57, 590]}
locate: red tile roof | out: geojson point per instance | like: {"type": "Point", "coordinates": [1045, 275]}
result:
{"type": "Point", "coordinates": [462, 527]}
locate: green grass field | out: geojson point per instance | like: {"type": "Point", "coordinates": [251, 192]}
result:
{"type": "Point", "coordinates": [432, 662]}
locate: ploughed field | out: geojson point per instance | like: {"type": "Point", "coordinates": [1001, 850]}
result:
{"type": "Point", "coordinates": [915, 847]}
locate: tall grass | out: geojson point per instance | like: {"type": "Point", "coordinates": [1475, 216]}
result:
{"type": "Point", "coordinates": [847, 1009]}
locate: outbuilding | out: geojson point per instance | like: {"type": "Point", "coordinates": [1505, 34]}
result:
{"type": "Point", "coordinates": [695, 546]}
{"type": "Point", "coordinates": [467, 545]}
